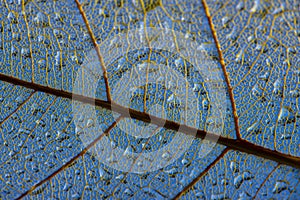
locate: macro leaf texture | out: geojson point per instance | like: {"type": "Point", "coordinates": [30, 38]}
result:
{"type": "Point", "coordinates": [201, 96]}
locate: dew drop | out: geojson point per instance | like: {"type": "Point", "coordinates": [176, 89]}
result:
{"type": "Point", "coordinates": [292, 50]}
{"type": "Point", "coordinates": [234, 166]}
{"type": "Point", "coordinates": [233, 34]}
{"type": "Point", "coordinates": [286, 115]}
{"type": "Point", "coordinates": [279, 187]}
{"type": "Point", "coordinates": [67, 186]}
{"type": "Point", "coordinates": [205, 104]}
{"type": "Point", "coordinates": [280, 9]}
{"type": "Point", "coordinates": [112, 158]}
{"type": "Point", "coordinates": [40, 19]}
{"type": "Point", "coordinates": [295, 93]}
{"type": "Point", "coordinates": [220, 196]}
{"type": "Point", "coordinates": [67, 119]}
{"type": "Point", "coordinates": [90, 123]}
{"type": "Point", "coordinates": [240, 6]}
{"type": "Point", "coordinates": [19, 100]}
{"type": "Point", "coordinates": [178, 62]}
{"type": "Point", "coordinates": [76, 196]}
{"type": "Point", "coordinates": [277, 87]}
{"type": "Point", "coordinates": [140, 164]}
{"type": "Point", "coordinates": [200, 195]}
{"type": "Point", "coordinates": [264, 76]}
{"type": "Point", "coordinates": [128, 192]}
{"type": "Point", "coordinates": [184, 161]}
{"type": "Point", "coordinates": [13, 51]}
{"type": "Point", "coordinates": [238, 180]}
{"type": "Point", "coordinates": [172, 172]}
{"type": "Point", "coordinates": [256, 91]}
{"type": "Point", "coordinates": [250, 38]}
{"type": "Point", "coordinates": [12, 17]}
{"type": "Point", "coordinates": [196, 87]}
{"type": "Point", "coordinates": [224, 181]}
{"type": "Point", "coordinates": [225, 21]}
{"type": "Point", "coordinates": [244, 196]}
{"type": "Point", "coordinates": [166, 155]}
{"type": "Point", "coordinates": [285, 136]}
{"type": "Point", "coordinates": [120, 177]}
{"type": "Point", "coordinates": [7, 175]}
{"type": "Point", "coordinates": [258, 47]}
{"type": "Point", "coordinates": [253, 128]}
{"type": "Point", "coordinates": [77, 171]}
{"type": "Point", "coordinates": [247, 175]}
{"type": "Point", "coordinates": [255, 7]}
{"type": "Point", "coordinates": [113, 144]}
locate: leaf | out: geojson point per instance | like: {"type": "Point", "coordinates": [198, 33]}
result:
{"type": "Point", "coordinates": [209, 90]}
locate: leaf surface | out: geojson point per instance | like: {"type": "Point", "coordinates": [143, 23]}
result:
{"type": "Point", "coordinates": [51, 142]}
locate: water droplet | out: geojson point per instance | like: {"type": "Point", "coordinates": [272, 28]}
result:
{"type": "Point", "coordinates": [90, 123]}
{"type": "Point", "coordinates": [77, 171]}
{"type": "Point", "coordinates": [233, 34]}
{"type": "Point", "coordinates": [76, 196]}
{"type": "Point", "coordinates": [295, 93]}
{"type": "Point", "coordinates": [280, 9]}
{"type": "Point", "coordinates": [172, 172]}
{"type": "Point", "coordinates": [239, 56]}
{"type": "Point", "coordinates": [258, 47]}
{"type": "Point", "coordinates": [250, 38]}
{"type": "Point", "coordinates": [238, 180]}
{"type": "Point", "coordinates": [67, 186]}
{"type": "Point", "coordinates": [220, 196]}
{"type": "Point", "coordinates": [128, 192]}
{"type": "Point", "coordinates": [255, 7]}
{"type": "Point", "coordinates": [67, 119]}
{"type": "Point", "coordinates": [166, 155]}
{"type": "Point", "coordinates": [112, 158]}
{"type": "Point", "coordinates": [29, 157]}
{"type": "Point", "coordinates": [244, 196]}
{"type": "Point", "coordinates": [234, 166]}
{"type": "Point", "coordinates": [205, 104]}
{"type": "Point", "coordinates": [256, 91]}
{"type": "Point", "coordinates": [19, 100]}
{"type": "Point", "coordinates": [184, 161]}
{"type": "Point", "coordinates": [279, 187]}
{"type": "Point", "coordinates": [277, 87]}
{"type": "Point", "coordinates": [247, 175]}
{"type": "Point", "coordinates": [285, 136]}
{"type": "Point", "coordinates": [200, 195]}
{"type": "Point", "coordinates": [7, 175]}
{"type": "Point", "coordinates": [196, 87]}
{"type": "Point", "coordinates": [264, 76]}
{"type": "Point", "coordinates": [140, 164]}
{"type": "Point", "coordinates": [19, 172]}
{"type": "Point", "coordinates": [113, 144]}
{"type": "Point", "coordinates": [178, 62]}
{"type": "Point", "coordinates": [225, 21]}
{"type": "Point", "coordinates": [224, 181]}
{"type": "Point", "coordinates": [193, 173]}
{"type": "Point", "coordinates": [254, 128]}
{"type": "Point", "coordinates": [240, 6]}
{"type": "Point", "coordinates": [40, 19]}
{"type": "Point", "coordinates": [57, 33]}
{"type": "Point", "coordinates": [297, 72]}
{"type": "Point", "coordinates": [120, 177]}
{"type": "Point", "coordinates": [12, 17]}
{"type": "Point", "coordinates": [286, 115]}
